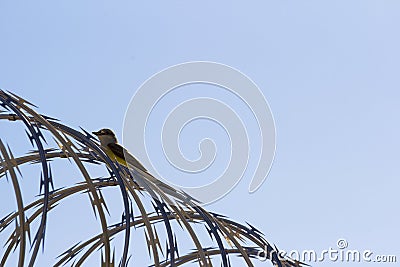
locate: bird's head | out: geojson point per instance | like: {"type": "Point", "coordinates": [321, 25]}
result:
{"type": "Point", "coordinates": [106, 136]}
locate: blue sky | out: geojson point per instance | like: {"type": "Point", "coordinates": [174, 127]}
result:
{"type": "Point", "coordinates": [329, 70]}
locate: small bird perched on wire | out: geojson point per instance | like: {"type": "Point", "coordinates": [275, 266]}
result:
{"type": "Point", "coordinates": [109, 143]}
{"type": "Point", "coordinates": [115, 151]}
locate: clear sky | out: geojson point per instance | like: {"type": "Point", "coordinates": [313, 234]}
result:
{"type": "Point", "coordinates": [329, 70]}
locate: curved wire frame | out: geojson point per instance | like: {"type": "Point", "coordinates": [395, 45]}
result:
{"type": "Point", "coordinates": [169, 208]}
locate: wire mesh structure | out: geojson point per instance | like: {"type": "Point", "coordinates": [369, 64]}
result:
{"type": "Point", "coordinates": [163, 215]}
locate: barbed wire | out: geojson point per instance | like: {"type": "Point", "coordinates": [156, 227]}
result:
{"type": "Point", "coordinates": [169, 209]}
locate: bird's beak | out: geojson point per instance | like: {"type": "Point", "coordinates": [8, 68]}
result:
{"type": "Point", "coordinates": [96, 133]}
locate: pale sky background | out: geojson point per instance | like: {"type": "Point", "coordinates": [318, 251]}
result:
{"type": "Point", "coordinates": [329, 70]}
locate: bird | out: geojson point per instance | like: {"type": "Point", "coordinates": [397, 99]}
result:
{"type": "Point", "coordinates": [110, 145]}
{"type": "Point", "coordinates": [116, 152]}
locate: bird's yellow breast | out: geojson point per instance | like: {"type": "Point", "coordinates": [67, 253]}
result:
{"type": "Point", "coordinates": [114, 157]}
